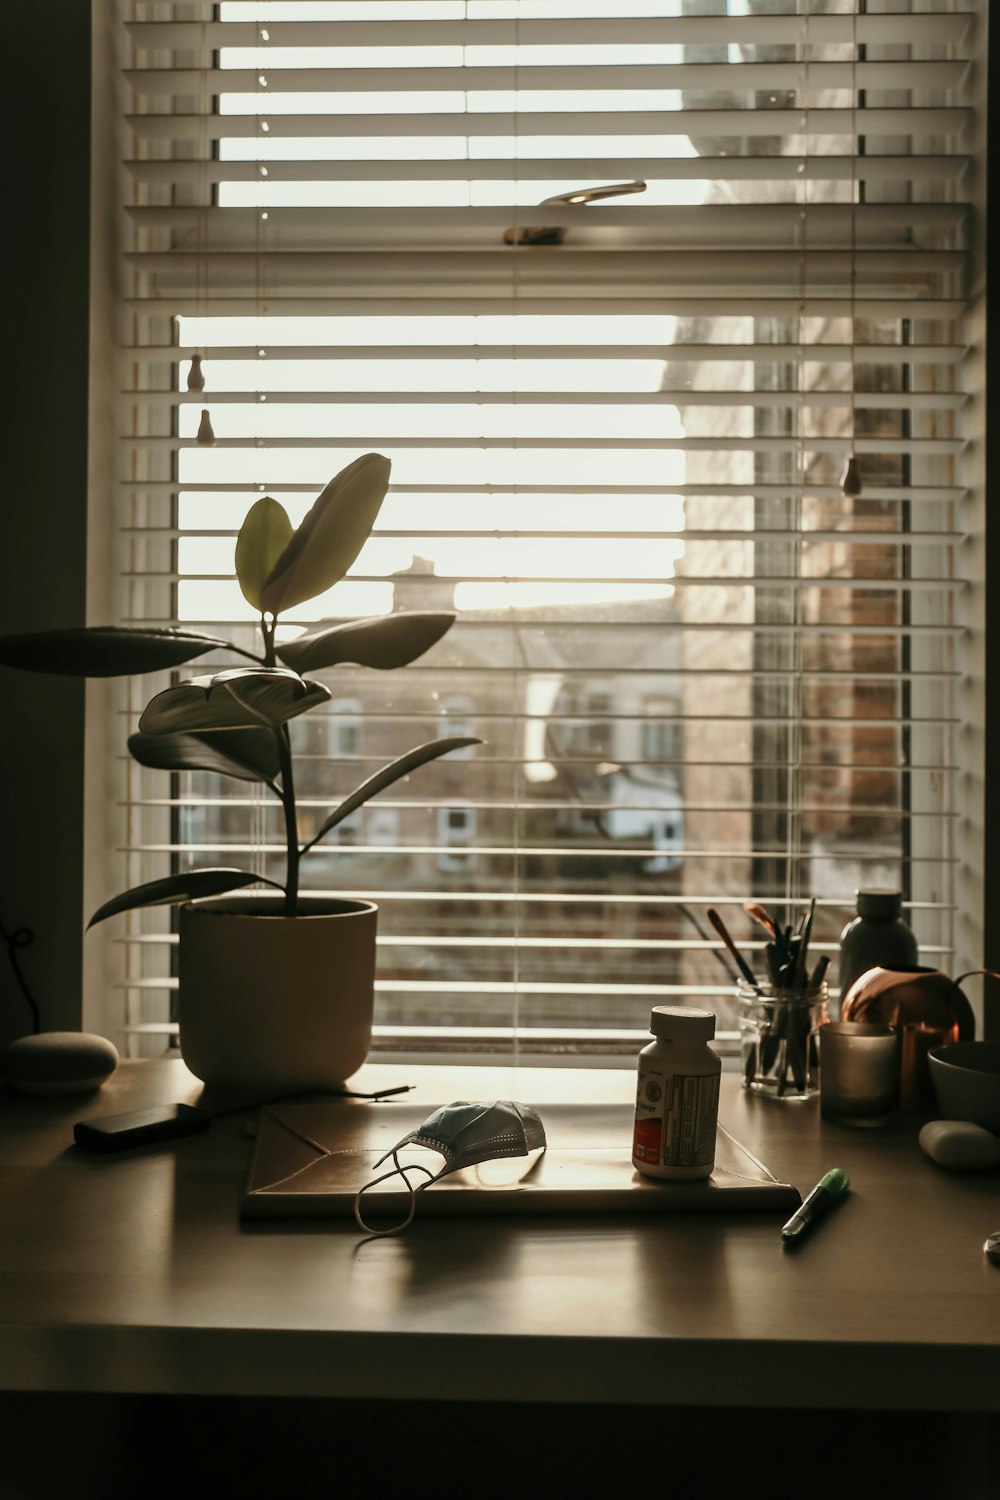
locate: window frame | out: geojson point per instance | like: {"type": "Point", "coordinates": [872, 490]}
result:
{"type": "Point", "coordinates": [57, 962]}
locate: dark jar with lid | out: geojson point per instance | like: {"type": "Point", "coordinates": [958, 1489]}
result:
{"type": "Point", "coordinates": [876, 938]}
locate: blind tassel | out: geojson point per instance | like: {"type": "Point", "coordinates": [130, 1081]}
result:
{"type": "Point", "coordinates": [850, 480]}
{"type": "Point", "coordinates": [206, 436]}
{"type": "Point", "coordinates": [196, 376]}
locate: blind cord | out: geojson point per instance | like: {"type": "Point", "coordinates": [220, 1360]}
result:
{"type": "Point", "coordinates": [196, 375]}
{"type": "Point", "coordinates": [850, 482]}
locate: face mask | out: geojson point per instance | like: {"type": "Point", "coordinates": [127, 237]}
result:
{"type": "Point", "coordinates": [464, 1134]}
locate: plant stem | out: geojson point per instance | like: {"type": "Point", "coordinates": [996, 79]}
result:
{"type": "Point", "coordinates": [250, 655]}
{"type": "Point", "coordinates": [291, 822]}
{"type": "Point", "coordinates": [267, 631]}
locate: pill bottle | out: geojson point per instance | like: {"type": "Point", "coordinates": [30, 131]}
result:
{"type": "Point", "coordinates": [677, 1099]}
{"type": "Point", "coordinates": [876, 938]}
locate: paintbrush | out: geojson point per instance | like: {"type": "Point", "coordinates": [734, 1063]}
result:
{"type": "Point", "coordinates": [741, 963]}
{"type": "Point", "coordinates": [687, 912]}
{"type": "Point", "coordinates": [794, 962]}
{"type": "Point", "coordinates": [762, 915]}
{"type": "Point", "coordinates": [804, 946]}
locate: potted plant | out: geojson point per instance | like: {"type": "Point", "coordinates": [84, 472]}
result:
{"type": "Point", "coordinates": [275, 991]}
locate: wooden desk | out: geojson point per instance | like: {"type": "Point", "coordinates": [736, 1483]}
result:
{"type": "Point", "coordinates": [133, 1274]}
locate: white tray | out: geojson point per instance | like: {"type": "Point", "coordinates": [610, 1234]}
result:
{"type": "Point", "coordinates": [311, 1159]}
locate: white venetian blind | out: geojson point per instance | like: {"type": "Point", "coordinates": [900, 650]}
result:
{"type": "Point", "coordinates": [703, 675]}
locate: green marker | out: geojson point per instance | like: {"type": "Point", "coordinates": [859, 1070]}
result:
{"type": "Point", "coordinates": [831, 1186]}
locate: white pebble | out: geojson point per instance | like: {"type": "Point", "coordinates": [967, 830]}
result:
{"type": "Point", "coordinates": [58, 1062]}
{"type": "Point", "coordinates": [960, 1145]}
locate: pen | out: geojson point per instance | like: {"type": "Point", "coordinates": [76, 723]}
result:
{"type": "Point", "coordinates": [831, 1186]}
{"type": "Point", "coordinates": [819, 973]}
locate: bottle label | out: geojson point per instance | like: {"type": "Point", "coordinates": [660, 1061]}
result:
{"type": "Point", "coordinates": [675, 1118]}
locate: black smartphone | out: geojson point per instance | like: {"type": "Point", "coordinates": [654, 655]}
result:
{"type": "Point", "coordinates": [140, 1127]}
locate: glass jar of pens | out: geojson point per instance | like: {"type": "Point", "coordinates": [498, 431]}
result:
{"type": "Point", "coordinates": [779, 1037]}
{"type": "Point", "coordinates": [780, 1015]}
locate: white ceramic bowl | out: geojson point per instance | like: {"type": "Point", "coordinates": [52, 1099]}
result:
{"type": "Point", "coordinates": [966, 1078]}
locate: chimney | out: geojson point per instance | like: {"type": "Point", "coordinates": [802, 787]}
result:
{"type": "Point", "coordinates": [417, 587]}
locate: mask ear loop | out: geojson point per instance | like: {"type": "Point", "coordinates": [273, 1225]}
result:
{"type": "Point", "coordinates": [397, 1171]}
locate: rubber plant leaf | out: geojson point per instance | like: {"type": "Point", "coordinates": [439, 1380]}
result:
{"type": "Point", "coordinates": [244, 698]}
{"type": "Point", "coordinates": [175, 889]}
{"type": "Point", "coordinates": [104, 650]}
{"type": "Point", "coordinates": [247, 754]}
{"type": "Point", "coordinates": [331, 536]}
{"type": "Point", "coordinates": [388, 774]}
{"type": "Point", "coordinates": [384, 641]}
{"type": "Point", "coordinates": [263, 537]}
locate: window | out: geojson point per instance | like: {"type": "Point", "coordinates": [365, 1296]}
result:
{"type": "Point", "coordinates": [458, 719]}
{"type": "Point", "coordinates": [703, 673]}
{"type": "Point", "coordinates": [661, 737]}
{"type": "Point", "coordinates": [383, 826]}
{"type": "Point", "coordinates": [598, 731]}
{"type": "Point", "coordinates": [351, 831]}
{"type": "Point", "coordinates": [345, 723]}
{"type": "Point", "coordinates": [456, 831]}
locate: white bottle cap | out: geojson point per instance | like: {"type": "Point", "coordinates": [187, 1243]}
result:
{"type": "Point", "coordinates": [682, 1023]}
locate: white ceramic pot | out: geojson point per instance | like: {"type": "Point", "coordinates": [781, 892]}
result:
{"type": "Point", "coordinates": [269, 1003]}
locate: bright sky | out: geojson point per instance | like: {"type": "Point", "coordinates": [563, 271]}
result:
{"type": "Point", "coordinates": [522, 570]}
{"type": "Point", "coordinates": [538, 563]}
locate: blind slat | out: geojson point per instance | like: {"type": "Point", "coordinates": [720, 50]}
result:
{"type": "Point", "coordinates": [731, 899]}
{"type": "Point", "coordinates": [492, 717]}
{"type": "Point", "coordinates": [879, 168]}
{"type": "Point", "coordinates": [577, 944]}
{"type": "Point", "coordinates": [501, 851]}
{"type": "Point", "coordinates": [885, 767]}
{"type": "Point", "coordinates": [744, 77]}
{"type": "Point", "coordinates": [671, 220]}
{"type": "Point", "coordinates": [682, 351]}
{"type": "Point", "coordinates": [583, 625]}
{"type": "Point", "coordinates": [676, 581]}
{"type": "Point", "coordinates": [929, 494]}
{"type": "Point", "coordinates": [787, 676]}
{"type": "Point", "coordinates": [394, 444]}
{"type": "Point", "coordinates": [918, 120]}
{"type": "Point", "coordinates": [948, 28]}
{"type": "Point", "coordinates": [666, 396]}
{"type": "Point", "coordinates": [540, 301]}
{"type": "Point", "coordinates": [544, 809]}
{"type": "Point", "coordinates": [692, 534]}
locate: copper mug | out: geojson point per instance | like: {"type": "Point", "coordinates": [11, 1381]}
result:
{"type": "Point", "coordinates": [927, 1008]}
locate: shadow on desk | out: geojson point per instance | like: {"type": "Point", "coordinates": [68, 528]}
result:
{"type": "Point", "coordinates": [70, 1447]}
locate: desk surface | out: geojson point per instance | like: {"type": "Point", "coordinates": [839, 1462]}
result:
{"type": "Point", "coordinates": [134, 1274]}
